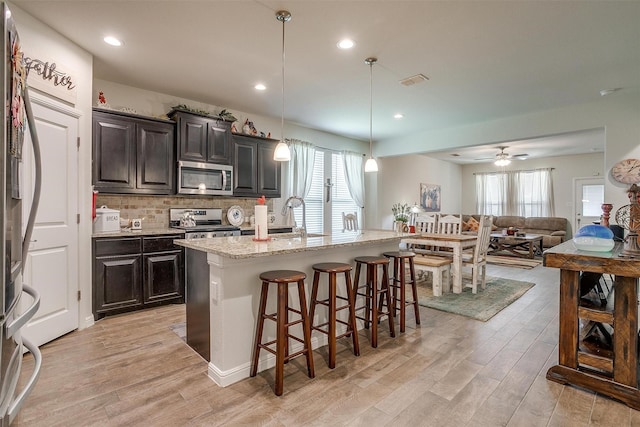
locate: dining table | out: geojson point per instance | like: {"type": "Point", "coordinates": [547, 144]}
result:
{"type": "Point", "coordinates": [456, 242]}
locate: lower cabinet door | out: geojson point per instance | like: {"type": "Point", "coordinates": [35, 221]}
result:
{"type": "Point", "coordinates": [163, 276]}
{"type": "Point", "coordinates": [117, 283]}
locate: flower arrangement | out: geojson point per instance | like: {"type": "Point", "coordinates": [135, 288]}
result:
{"type": "Point", "coordinates": [401, 212]}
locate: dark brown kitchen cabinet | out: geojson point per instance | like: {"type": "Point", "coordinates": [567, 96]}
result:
{"type": "Point", "coordinates": [133, 154]}
{"type": "Point", "coordinates": [131, 273]}
{"type": "Point", "coordinates": [202, 138]}
{"type": "Point", "coordinates": [255, 173]}
{"type": "Point", "coordinates": [163, 269]}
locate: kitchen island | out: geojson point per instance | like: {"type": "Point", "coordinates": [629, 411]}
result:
{"type": "Point", "coordinates": [223, 289]}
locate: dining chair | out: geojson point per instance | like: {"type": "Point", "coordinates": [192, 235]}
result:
{"type": "Point", "coordinates": [449, 224]}
{"type": "Point", "coordinates": [349, 221]}
{"type": "Point", "coordinates": [477, 260]}
{"type": "Point", "coordinates": [426, 223]}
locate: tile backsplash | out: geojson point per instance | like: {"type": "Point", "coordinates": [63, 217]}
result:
{"type": "Point", "coordinates": [154, 210]}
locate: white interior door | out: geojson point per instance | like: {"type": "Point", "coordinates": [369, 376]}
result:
{"type": "Point", "coordinates": [589, 197]}
{"type": "Point", "coordinates": [52, 263]}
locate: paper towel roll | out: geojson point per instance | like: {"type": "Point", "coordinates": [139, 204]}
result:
{"type": "Point", "coordinates": [262, 232]}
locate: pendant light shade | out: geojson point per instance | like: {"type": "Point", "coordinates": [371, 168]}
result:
{"type": "Point", "coordinates": [371, 165]}
{"type": "Point", "coordinates": [282, 152]}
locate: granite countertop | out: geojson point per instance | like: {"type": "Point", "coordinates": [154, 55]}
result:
{"type": "Point", "coordinates": [269, 226]}
{"type": "Point", "coordinates": [143, 232]}
{"type": "Point", "coordinates": [245, 247]}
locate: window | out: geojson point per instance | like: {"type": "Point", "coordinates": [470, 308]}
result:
{"type": "Point", "coordinates": [324, 214]}
{"type": "Point", "coordinates": [522, 193]}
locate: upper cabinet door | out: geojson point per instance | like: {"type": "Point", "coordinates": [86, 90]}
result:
{"type": "Point", "coordinates": [113, 152]}
{"type": "Point", "coordinates": [219, 143]}
{"type": "Point", "coordinates": [245, 180]}
{"type": "Point", "coordinates": [269, 170]}
{"type": "Point", "coordinates": [156, 158]}
{"type": "Point", "coordinates": [192, 138]}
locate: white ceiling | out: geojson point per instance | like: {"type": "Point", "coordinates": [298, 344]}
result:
{"type": "Point", "coordinates": [484, 59]}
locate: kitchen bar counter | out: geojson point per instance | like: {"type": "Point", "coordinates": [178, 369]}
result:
{"type": "Point", "coordinates": [223, 290]}
{"type": "Point", "coordinates": [237, 247]}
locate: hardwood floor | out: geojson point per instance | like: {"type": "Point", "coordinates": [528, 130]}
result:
{"type": "Point", "coordinates": [450, 371]}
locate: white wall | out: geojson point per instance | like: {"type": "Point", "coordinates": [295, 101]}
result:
{"type": "Point", "coordinates": [37, 37]}
{"type": "Point", "coordinates": [566, 168]}
{"type": "Point", "coordinates": [618, 113]}
{"type": "Point", "coordinates": [398, 181]}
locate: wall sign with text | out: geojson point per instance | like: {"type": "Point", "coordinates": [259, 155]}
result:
{"type": "Point", "coordinates": [51, 77]}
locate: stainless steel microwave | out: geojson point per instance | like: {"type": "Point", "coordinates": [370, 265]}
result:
{"type": "Point", "coordinates": [205, 178]}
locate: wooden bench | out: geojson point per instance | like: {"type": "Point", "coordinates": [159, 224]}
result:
{"type": "Point", "coordinates": [437, 266]}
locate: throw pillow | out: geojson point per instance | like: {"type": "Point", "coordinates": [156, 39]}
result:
{"type": "Point", "coordinates": [465, 226]}
{"type": "Point", "coordinates": [473, 224]}
{"type": "Point", "coordinates": [494, 227]}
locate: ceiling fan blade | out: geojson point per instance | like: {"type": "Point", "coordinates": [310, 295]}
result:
{"type": "Point", "coordinates": [520, 155]}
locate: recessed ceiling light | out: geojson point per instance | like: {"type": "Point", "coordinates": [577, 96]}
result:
{"type": "Point", "coordinates": [260, 86]}
{"type": "Point", "coordinates": [112, 41]}
{"type": "Point", "coordinates": [398, 116]}
{"type": "Point", "coordinates": [346, 44]}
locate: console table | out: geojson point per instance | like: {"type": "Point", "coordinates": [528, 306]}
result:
{"type": "Point", "coordinates": [612, 372]}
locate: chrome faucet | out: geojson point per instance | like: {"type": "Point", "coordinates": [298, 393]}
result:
{"type": "Point", "coordinates": [290, 204]}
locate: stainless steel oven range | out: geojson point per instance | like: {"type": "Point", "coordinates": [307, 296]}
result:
{"type": "Point", "coordinates": [201, 223]}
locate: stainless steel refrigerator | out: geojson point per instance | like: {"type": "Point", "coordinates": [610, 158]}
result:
{"type": "Point", "coordinates": [13, 314]}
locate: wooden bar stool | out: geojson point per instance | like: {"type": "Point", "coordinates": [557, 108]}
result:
{"type": "Point", "coordinates": [333, 268]}
{"type": "Point", "coordinates": [399, 281]}
{"type": "Point", "coordinates": [373, 296]}
{"type": "Point", "coordinates": [283, 278]}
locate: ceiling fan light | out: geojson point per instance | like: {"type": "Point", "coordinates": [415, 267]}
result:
{"type": "Point", "coordinates": [502, 162]}
{"type": "Point", "coordinates": [371, 165]}
{"type": "Point", "coordinates": [282, 152]}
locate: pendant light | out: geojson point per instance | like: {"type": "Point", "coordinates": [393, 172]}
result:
{"type": "Point", "coordinates": [371, 165]}
{"type": "Point", "coordinates": [282, 152]}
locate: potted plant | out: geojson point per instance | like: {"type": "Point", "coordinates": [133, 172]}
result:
{"type": "Point", "coordinates": [401, 215]}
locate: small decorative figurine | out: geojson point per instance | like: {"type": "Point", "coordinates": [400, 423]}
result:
{"type": "Point", "coordinates": [102, 101]}
{"type": "Point", "coordinates": [249, 129]}
{"type": "Point", "coordinates": [234, 129]}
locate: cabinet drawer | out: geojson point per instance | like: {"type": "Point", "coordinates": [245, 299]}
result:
{"type": "Point", "coordinates": [119, 246]}
{"type": "Point", "coordinates": [160, 244]}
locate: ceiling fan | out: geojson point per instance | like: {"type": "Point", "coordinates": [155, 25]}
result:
{"type": "Point", "coordinates": [505, 158]}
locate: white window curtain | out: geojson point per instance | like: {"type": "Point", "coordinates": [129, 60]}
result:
{"type": "Point", "coordinates": [354, 176]}
{"type": "Point", "coordinates": [491, 194]}
{"type": "Point", "coordinates": [534, 193]}
{"type": "Point", "coordinates": [301, 167]}
{"type": "Point", "coordinates": [522, 193]}
{"type": "Point", "coordinates": [300, 171]}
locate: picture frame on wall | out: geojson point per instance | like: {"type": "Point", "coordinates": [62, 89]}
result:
{"type": "Point", "coordinates": [430, 197]}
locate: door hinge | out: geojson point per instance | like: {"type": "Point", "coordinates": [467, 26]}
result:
{"type": "Point", "coordinates": [78, 143]}
{"type": "Point", "coordinates": [79, 295]}
{"type": "Point", "coordinates": [77, 218]}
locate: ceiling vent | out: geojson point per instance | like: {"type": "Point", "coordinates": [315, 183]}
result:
{"type": "Point", "coordinates": [410, 81]}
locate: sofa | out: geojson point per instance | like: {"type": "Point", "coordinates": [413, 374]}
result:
{"type": "Point", "coordinates": [553, 229]}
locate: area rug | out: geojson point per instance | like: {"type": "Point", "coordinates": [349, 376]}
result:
{"type": "Point", "coordinates": [512, 261]}
{"type": "Point", "coordinates": [499, 293]}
